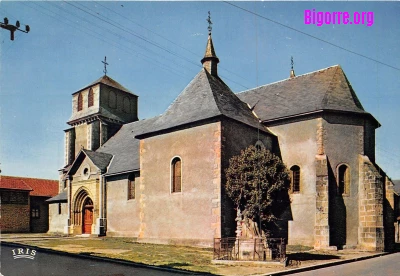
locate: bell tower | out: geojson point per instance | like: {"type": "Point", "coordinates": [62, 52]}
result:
{"type": "Point", "coordinates": [98, 112]}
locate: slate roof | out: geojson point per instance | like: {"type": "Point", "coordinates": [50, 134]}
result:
{"type": "Point", "coordinates": [99, 110]}
{"type": "Point", "coordinates": [94, 111]}
{"type": "Point", "coordinates": [99, 159]}
{"type": "Point", "coordinates": [125, 148]}
{"type": "Point", "coordinates": [205, 97]}
{"type": "Point", "coordinates": [59, 198]}
{"type": "Point", "coordinates": [326, 89]}
{"type": "Point", "coordinates": [38, 187]}
{"type": "Point", "coordinates": [107, 81]}
{"type": "Point", "coordinates": [396, 186]}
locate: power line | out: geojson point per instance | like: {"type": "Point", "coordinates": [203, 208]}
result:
{"type": "Point", "coordinates": [146, 40]}
{"type": "Point", "coordinates": [132, 33]}
{"type": "Point", "coordinates": [127, 18]}
{"type": "Point", "coordinates": [169, 69]}
{"type": "Point", "coordinates": [131, 41]}
{"type": "Point", "coordinates": [167, 39]}
{"type": "Point", "coordinates": [312, 36]}
{"type": "Point", "coordinates": [100, 37]}
{"type": "Point", "coordinates": [119, 36]}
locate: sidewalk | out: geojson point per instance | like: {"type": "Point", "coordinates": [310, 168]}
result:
{"type": "Point", "coordinates": [180, 257]}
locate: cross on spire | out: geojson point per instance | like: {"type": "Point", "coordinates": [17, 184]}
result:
{"type": "Point", "coordinates": [105, 66]}
{"type": "Point", "coordinates": [292, 74]}
{"type": "Point", "coordinates": [291, 61]}
{"type": "Point", "coordinates": [209, 23]}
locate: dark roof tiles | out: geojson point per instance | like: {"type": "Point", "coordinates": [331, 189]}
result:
{"type": "Point", "coordinates": [99, 159]}
{"type": "Point", "coordinates": [205, 97]}
{"type": "Point", "coordinates": [107, 81]}
{"type": "Point", "coordinates": [396, 186]}
{"type": "Point", "coordinates": [124, 147]}
{"type": "Point", "coordinates": [326, 89]}
{"type": "Point", "coordinates": [61, 197]}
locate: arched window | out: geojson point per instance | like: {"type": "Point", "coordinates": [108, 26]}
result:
{"type": "Point", "coordinates": [80, 102]}
{"type": "Point", "coordinates": [176, 182]}
{"type": "Point", "coordinates": [127, 105]}
{"type": "Point", "coordinates": [90, 97]}
{"type": "Point", "coordinates": [295, 173]}
{"type": "Point", "coordinates": [112, 99]}
{"type": "Point", "coordinates": [344, 180]}
{"type": "Point", "coordinates": [131, 186]}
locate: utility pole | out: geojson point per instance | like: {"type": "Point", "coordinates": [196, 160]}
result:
{"type": "Point", "coordinates": [13, 28]}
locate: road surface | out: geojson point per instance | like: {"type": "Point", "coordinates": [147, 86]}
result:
{"type": "Point", "coordinates": [45, 264]}
{"type": "Point", "coordinates": [388, 265]}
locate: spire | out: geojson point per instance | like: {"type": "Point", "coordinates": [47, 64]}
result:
{"type": "Point", "coordinates": [210, 59]}
{"type": "Point", "coordinates": [292, 74]}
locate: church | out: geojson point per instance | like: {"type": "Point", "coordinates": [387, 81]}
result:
{"type": "Point", "coordinates": [161, 179]}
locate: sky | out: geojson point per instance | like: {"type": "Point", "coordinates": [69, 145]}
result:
{"type": "Point", "coordinates": [154, 49]}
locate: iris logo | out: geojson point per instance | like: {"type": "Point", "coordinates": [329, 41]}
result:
{"type": "Point", "coordinates": [23, 253]}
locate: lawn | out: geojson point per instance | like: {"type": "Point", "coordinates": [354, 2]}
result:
{"type": "Point", "coordinates": [182, 257]}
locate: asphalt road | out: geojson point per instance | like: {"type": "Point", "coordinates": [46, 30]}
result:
{"type": "Point", "coordinates": [388, 265]}
{"type": "Point", "coordinates": [44, 264]}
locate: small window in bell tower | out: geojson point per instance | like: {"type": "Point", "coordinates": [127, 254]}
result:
{"type": "Point", "coordinates": [80, 102]}
{"type": "Point", "coordinates": [90, 97]}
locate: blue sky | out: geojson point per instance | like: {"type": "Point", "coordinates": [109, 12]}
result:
{"type": "Point", "coordinates": [154, 49]}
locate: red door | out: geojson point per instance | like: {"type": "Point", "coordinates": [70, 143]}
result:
{"type": "Point", "coordinates": [87, 218]}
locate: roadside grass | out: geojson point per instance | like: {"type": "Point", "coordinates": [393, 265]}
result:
{"type": "Point", "coordinates": [179, 257]}
{"type": "Point", "coordinates": [298, 248]}
{"type": "Point", "coordinates": [184, 257]}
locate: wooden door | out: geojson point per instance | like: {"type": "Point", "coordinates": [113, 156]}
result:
{"type": "Point", "coordinates": [87, 218]}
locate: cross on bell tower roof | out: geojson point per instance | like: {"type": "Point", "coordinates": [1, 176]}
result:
{"type": "Point", "coordinates": [105, 65]}
{"type": "Point", "coordinates": [210, 59]}
{"type": "Point", "coordinates": [292, 74]}
{"type": "Point", "coordinates": [209, 23]}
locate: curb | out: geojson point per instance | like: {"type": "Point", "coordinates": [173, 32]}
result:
{"type": "Point", "coordinates": [178, 271]}
{"type": "Point", "coordinates": [110, 260]}
{"type": "Point", "coordinates": [319, 266]}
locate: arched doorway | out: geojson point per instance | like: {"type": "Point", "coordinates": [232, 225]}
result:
{"type": "Point", "coordinates": [87, 216]}
{"type": "Point", "coordinates": [82, 216]}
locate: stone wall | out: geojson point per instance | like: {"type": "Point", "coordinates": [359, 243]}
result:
{"type": "Point", "coordinates": [192, 216]}
{"type": "Point", "coordinates": [369, 140]}
{"type": "Point", "coordinates": [85, 109]}
{"type": "Point", "coordinates": [58, 221]}
{"type": "Point", "coordinates": [389, 215]}
{"type": "Point", "coordinates": [69, 146]}
{"type": "Point", "coordinates": [120, 103]}
{"type": "Point", "coordinates": [81, 137]}
{"type": "Point", "coordinates": [321, 229]}
{"type": "Point", "coordinates": [235, 138]}
{"type": "Point", "coordinates": [298, 146]}
{"type": "Point", "coordinates": [343, 143]}
{"type": "Point", "coordinates": [122, 213]}
{"type": "Point", "coordinates": [371, 196]}
{"type": "Point", "coordinates": [95, 135]}
{"type": "Point", "coordinates": [397, 217]}
{"type": "Point", "coordinates": [89, 185]}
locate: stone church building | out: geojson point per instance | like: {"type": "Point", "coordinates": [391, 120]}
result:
{"type": "Point", "coordinates": [162, 179]}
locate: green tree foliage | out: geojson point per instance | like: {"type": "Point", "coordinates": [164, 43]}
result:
{"type": "Point", "coordinates": [258, 183]}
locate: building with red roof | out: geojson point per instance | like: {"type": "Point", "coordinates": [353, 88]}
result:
{"type": "Point", "coordinates": [23, 203]}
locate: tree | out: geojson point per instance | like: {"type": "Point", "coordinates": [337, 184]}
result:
{"type": "Point", "coordinates": [258, 183]}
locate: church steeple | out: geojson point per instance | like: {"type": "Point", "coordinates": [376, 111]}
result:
{"type": "Point", "coordinates": [210, 59]}
{"type": "Point", "coordinates": [292, 74]}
